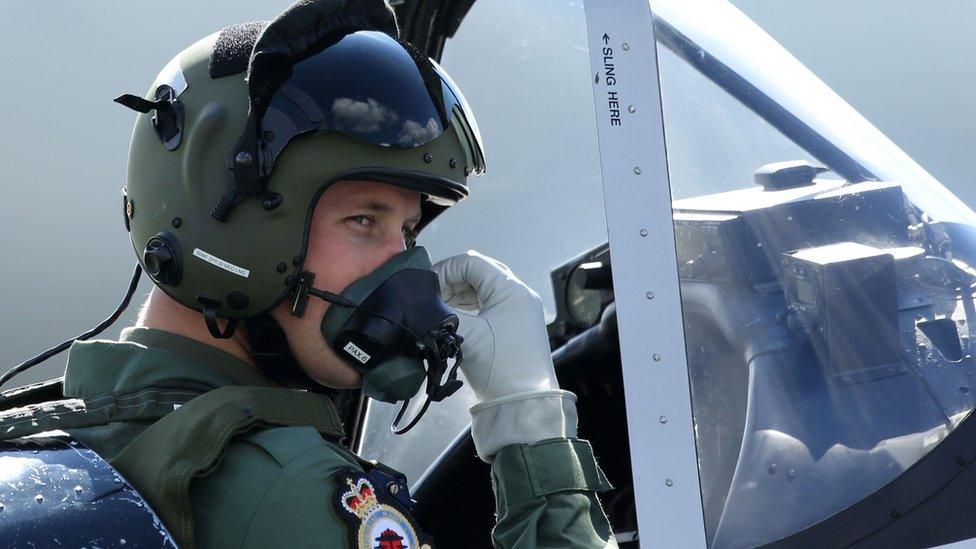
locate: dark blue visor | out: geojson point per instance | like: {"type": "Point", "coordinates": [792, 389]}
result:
{"type": "Point", "coordinates": [375, 89]}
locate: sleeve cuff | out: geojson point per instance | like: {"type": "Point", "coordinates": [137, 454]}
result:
{"type": "Point", "coordinates": [523, 472]}
{"type": "Point", "coordinates": [524, 418]}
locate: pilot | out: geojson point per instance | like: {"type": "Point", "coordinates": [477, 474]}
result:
{"type": "Point", "coordinates": [277, 178]}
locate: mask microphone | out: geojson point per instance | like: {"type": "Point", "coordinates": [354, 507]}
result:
{"type": "Point", "coordinates": [332, 298]}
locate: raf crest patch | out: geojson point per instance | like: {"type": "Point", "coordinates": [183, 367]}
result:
{"type": "Point", "coordinates": [375, 519]}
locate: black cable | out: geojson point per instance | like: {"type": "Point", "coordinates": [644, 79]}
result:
{"type": "Point", "coordinates": [133, 284]}
{"type": "Point", "coordinates": [413, 422]}
{"type": "Point", "coordinates": [432, 395]}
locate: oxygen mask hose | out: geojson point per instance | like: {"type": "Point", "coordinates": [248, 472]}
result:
{"type": "Point", "coordinates": [26, 365]}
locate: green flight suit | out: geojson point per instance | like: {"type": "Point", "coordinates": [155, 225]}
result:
{"type": "Point", "coordinates": [274, 486]}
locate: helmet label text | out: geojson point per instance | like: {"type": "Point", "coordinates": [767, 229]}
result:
{"type": "Point", "coordinates": [225, 265]}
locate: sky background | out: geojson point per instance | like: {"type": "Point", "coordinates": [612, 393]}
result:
{"type": "Point", "coordinates": [907, 66]}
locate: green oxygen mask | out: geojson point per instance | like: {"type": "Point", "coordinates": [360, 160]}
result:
{"type": "Point", "coordinates": [393, 327]}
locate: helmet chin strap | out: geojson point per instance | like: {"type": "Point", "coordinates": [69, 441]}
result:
{"type": "Point", "coordinates": [209, 306]}
{"type": "Point", "coordinates": [273, 354]}
{"type": "Point", "coordinates": [438, 346]}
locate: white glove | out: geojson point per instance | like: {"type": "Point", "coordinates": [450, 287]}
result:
{"type": "Point", "coordinates": [506, 355]}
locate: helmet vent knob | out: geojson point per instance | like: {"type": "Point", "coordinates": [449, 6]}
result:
{"type": "Point", "coordinates": [163, 260]}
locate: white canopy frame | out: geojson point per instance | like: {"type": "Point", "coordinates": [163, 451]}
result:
{"type": "Point", "coordinates": [637, 197]}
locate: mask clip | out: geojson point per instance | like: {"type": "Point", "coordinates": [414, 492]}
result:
{"type": "Point", "coordinates": [305, 281]}
{"type": "Point", "coordinates": [439, 343]}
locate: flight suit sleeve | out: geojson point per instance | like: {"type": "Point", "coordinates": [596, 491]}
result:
{"type": "Point", "coordinates": [545, 496]}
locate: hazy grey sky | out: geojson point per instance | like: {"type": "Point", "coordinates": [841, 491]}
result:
{"type": "Point", "coordinates": [66, 257]}
{"type": "Point", "coordinates": [907, 66]}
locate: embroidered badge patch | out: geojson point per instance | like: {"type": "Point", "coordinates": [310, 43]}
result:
{"type": "Point", "coordinates": [375, 520]}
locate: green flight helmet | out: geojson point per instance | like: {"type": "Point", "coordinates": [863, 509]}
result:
{"type": "Point", "coordinates": [226, 166]}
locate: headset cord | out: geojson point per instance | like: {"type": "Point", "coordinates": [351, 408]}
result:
{"type": "Point", "coordinates": [133, 284]}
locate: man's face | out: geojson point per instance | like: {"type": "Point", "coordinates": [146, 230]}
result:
{"type": "Point", "coordinates": [356, 227]}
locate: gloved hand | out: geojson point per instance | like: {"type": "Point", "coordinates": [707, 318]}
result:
{"type": "Point", "coordinates": [506, 355]}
